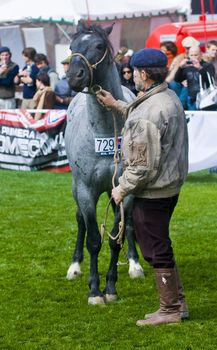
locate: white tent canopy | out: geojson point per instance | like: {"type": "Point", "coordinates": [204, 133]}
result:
{"type": "Point", "coordinates": [101, 10]}
{"type": "Point", "coordinates": [73, 10]}
{"type": "Point", "coordinates": [18, 10]}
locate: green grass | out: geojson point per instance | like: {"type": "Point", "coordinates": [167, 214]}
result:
{"type": "Point", "coordinates": [40, 309]}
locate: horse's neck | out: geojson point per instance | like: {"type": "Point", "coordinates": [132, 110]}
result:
{"type": "Point", "coordinates": [110, 81]}
{"type": "Point", "coordinates": [102, 119]}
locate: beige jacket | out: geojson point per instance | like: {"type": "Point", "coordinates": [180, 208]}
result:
{"type": "Point", "coordinates": [155, 145]}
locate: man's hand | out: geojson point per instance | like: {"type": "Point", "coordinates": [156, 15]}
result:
{"type": "Point", "coordinates": [106, 99]}
{"type": "Point", "coordinates": [116, 196]}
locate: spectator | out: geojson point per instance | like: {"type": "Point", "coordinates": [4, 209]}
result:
{"type": "Point", "coordinates": [170, 50]}
{"type": "Point", "coordinates": [190, 70]}
{"type": "Point", "coordinates": [127, 57]}
{"type": "Point", "coordinates": [42, 63]}
{"type": "Point", "coordinates": [8, 72]}
{"type": "Point", "coordinates": [119, 57]}
{"type": "Point", "coordinates": [63, 92]}
{"type": "Point", "coordinates": [44, 97]}
{"type": "Point", "coordinates": [211, 55]}
{"type": "Point", "coordinates": [127, 77]}
{"type": "Point", "coordinates": [180, 88]}
{"type": "Point", "coordinates": [27, 77]}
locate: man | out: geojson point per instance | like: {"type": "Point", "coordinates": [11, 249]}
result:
{"type": "Point", "coordinates": [42, 63]}
{"type": "Point", "coordinates": [8, 71]}
{"type": "Point", "coordinates": [192, 69]}
{"type": "Point", "coordinates": [211, 55]}
{"type": "Point", "coordinates": [155, 160]}
{"type": "Point", "coordinates": [27, 77]}
{"type": "Point", "coordinates": [64, 94]}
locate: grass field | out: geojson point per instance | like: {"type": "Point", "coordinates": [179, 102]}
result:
{"type": "Point", "coordinates": [40, 309]}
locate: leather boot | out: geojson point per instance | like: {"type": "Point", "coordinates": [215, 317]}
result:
{"type": "Point", "coordinates": [184, 313]}
{"type": "Point", "coordinates": [166, 280]}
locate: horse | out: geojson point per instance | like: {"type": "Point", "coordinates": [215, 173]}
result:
{"type": "Point", "coordinates": [89, 141]}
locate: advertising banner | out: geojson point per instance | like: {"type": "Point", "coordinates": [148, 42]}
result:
{"type": "Point", "coordinates": [26, 144]}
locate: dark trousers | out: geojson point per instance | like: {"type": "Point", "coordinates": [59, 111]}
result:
{"type": "Point", "coordinates": [151, 221]}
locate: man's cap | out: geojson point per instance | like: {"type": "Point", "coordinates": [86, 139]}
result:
{"type": "Point", "coordinates": [121, 53]}
{"type": "Point", "coordinates": [149, 58]}
{"type": "Point", "coordinates": [4, 49]}
{"type": "Point", "coordinates": [67, 60]}
{"type": "Point", "coordinates": [129, 53]}
{"type": "Point", "coordinates": [189, 41]}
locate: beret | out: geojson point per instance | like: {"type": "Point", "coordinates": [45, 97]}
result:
{"type": "Point", "coordinates": [4, 49]}
{"type": "Point", "coordinates": [149, 58]}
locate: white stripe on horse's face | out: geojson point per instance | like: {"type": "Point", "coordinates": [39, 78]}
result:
{"type": "Point", "coordinates": [85, 37]}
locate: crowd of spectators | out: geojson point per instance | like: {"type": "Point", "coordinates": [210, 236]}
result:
{"type": "Point", "coordinates": [188, 71]}
{"type": "Point", "coordinates": [42, 88]}
{"type": "Point", "coordinates": [38, 84]}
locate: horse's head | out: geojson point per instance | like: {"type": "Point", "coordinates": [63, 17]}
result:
{"type": "Point", "coordinates": [91, 53]}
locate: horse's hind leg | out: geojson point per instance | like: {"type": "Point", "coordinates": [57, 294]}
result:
{"type": "Point", "coordinates": [77, 258]}
{"type": "Point", "coordinates": [135, 269]}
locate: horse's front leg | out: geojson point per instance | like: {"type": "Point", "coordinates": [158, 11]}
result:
{"type": "Point", "coordinates": [87, 204]}
{"type": "Point", "coordinates": [93, 246]}
{"type": "Point", "coordinates": [112, 274]}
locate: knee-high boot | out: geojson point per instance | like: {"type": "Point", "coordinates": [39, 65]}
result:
{"type": "Point", "coordinates": [184, 313]}
{"type": "Point", "coordinates": [166, 280]}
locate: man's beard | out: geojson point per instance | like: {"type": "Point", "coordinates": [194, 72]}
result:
{"type": "Point", "coordinates": [140, 86]}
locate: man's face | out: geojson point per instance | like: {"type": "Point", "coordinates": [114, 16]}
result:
{"type": "Point", "coordinates": [137, 77]}
{"type": "Point", "coordinates": [41, 64]}
{"type": "Point", "coordinates": [5, 56]}
{"type": "Point", "coordinates": [194, 53]}
{"type": "Point", "coordinates": [212, 51]}
{"type": "Point", "coordinates": [66, 67]}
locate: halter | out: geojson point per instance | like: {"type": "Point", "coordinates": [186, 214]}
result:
{"type": "Point", "coordinates": [91, 67]}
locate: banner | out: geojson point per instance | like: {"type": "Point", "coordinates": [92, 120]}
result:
{"type": "Point", "coordinates": [202, 132]}
{"type": "Point", "coordinates": [26, 144]}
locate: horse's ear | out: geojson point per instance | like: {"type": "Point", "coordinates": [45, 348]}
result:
{"type": "Point", "coordinates": [80, 26]}
{"type": "Point", "coordinates": [109, 29]}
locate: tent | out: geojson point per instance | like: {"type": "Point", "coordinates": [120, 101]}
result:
{"type": "Point", "coordinates": [43, 10]}
{"type": "Point", "coordinates": [48, 24]}
{"type": "Point", "coordinates": [72, 10]}
{"type": "Point", "coordinates": [113, 9]}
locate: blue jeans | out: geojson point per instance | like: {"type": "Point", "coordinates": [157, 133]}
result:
{"type": "Point", "coordinates": [191, 106]}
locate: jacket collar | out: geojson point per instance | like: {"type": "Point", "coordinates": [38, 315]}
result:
{"type": "Point", "coordinates": [154, 90]}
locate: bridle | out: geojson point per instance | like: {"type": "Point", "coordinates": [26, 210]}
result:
{"type": "Point", "coordinates": [93, 88]}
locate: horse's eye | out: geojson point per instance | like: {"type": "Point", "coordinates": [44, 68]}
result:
{"type": "Point", "coordinates": [99, 47]}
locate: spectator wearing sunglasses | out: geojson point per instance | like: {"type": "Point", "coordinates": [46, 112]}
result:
{"type": "Point", "coordinates": [127, 77]}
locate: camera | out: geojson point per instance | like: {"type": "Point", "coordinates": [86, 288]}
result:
{"type": "Point", "coordinates": [189, 62]}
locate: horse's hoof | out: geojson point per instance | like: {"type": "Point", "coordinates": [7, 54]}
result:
{"type": "Point", "coordinates": [110, 298]}
{"type": "Point", "coordinates": [74, 271]}
{"type": "Point", "coordinates": [135, 269]}
{"type": "Point", "coordinates": [96, 300]}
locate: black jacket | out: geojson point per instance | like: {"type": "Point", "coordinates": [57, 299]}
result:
{"type": "Point", "coordinates": [191, 74]}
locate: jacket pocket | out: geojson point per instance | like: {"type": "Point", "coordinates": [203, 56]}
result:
{"type": "Point", "coordinates": [137, 154]}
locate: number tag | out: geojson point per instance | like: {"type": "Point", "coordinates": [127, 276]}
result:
{"type": "Point", "coordinates": [105, 146]}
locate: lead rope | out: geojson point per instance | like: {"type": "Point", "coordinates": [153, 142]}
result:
{"type": "Point", "coordinates": [120, 234]}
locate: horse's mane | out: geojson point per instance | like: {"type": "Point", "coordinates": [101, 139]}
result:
{"type": "Point", "coordinates": [94, 28]}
